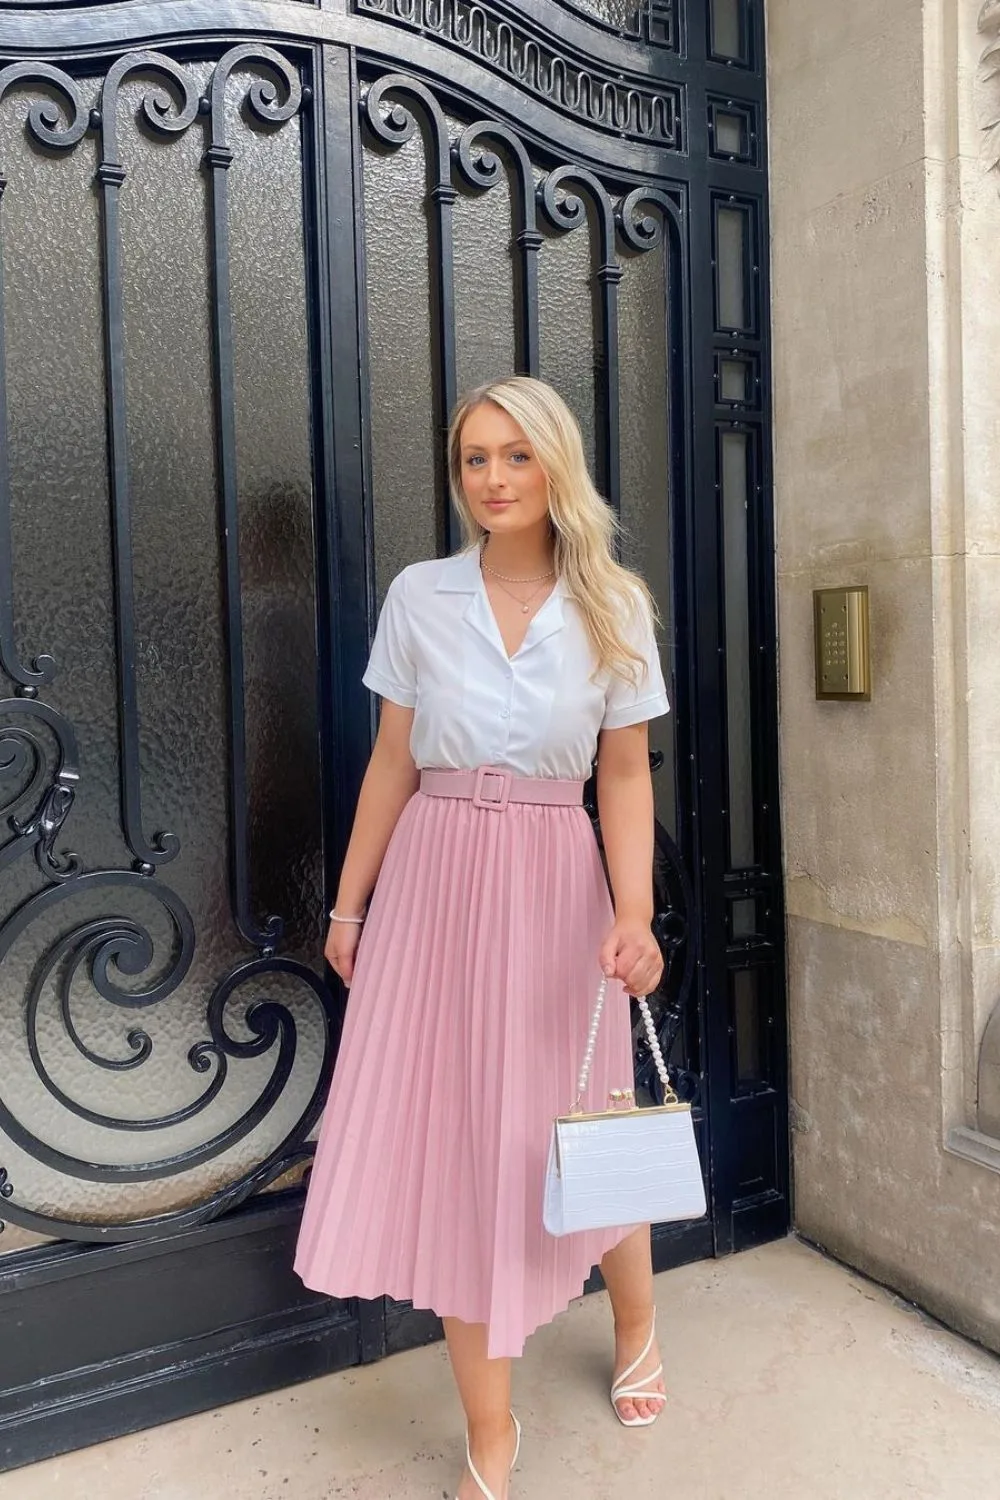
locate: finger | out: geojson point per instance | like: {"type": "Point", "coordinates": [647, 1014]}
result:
{"type": "Point", "coordinates": [343, 964]}
{"type": "Point", "coordinates": [608, 957]}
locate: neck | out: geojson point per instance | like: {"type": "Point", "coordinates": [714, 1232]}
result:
{"type": "Point", "coordinates": [525, 554]}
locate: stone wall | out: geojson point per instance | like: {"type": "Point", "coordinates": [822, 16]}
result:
{"type": "Point", "coordinates": [886, 319]}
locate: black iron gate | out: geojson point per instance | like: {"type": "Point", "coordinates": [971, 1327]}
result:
{"type": "Point", "coordinates": [249, 255]}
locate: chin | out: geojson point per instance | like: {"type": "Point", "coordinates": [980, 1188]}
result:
{"type": "Point", "coordinates": [512, 521]}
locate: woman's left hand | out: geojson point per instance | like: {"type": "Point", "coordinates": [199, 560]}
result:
{"type": "Point", "coordinates": [631, 953]}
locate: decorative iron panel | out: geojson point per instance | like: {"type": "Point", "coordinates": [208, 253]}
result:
{"type": "Point", "coordinates": [157, 627]}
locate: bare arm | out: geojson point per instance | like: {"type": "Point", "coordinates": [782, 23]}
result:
{"type": "Point", "coordinates": [625, 805]}
{"type": "Point", "coordinates": [390, 781]}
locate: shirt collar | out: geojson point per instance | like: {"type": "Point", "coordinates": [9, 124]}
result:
{"type": "Point", "coordinates": [461, 574]}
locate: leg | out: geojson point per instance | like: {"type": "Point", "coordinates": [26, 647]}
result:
{"type": "Point", "coordinates": [628, 1276]}
{"type": "Point", "coordinates": [484, 1386]}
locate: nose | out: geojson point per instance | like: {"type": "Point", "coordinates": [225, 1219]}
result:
{"type": "Point", "coordinates": [496, 479]}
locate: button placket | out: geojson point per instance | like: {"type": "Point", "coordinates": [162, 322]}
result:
{"type": "Point", "coordinates": [505, 711]}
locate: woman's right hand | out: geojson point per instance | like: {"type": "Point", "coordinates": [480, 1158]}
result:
{"type": "Point", "coordinates": [341, 948]}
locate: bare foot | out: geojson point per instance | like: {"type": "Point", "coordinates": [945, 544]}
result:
{"type": "Point", "coordinates": [492, 1453]}
{"type": "Point", "coordinates": [629, 1344]}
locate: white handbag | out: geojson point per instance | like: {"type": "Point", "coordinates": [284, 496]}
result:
{"type": "Point", "coordinates": [623, 1165]}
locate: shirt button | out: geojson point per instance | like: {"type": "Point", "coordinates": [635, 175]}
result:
{"type": "Point", "coordinates": [505, 713]}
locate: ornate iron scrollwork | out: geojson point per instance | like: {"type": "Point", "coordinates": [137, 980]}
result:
{"type": "Point", "coordinates": [565, 195]}
{"type": "Point", "coordinates": [484, 171]}
{"type": "Point", "coordinates": [112, 953]}
{"type": "Point", "coordinates": [21, 752]}
{"type": "Point", "coordinates": [540, 62]}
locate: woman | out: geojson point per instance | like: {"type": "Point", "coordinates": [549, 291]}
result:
{"type": "Point", "coordinates": [528, 652]}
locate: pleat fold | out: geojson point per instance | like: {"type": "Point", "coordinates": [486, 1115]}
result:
{"type": "Point", "coordinates": [465, 1027]}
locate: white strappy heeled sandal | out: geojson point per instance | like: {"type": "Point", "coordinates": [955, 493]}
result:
{"type": "Point", "coordinates": [622, 1391]}
{"type": "Point", "coordinates": [475, 1472]}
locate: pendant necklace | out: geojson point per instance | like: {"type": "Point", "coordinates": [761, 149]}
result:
{"type": "Point", "coordinates": [501, 578]}
{"type": "Point", "coordinates": [524, 603]}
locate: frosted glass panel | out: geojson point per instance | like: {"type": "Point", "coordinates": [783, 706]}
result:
{"type": "Point", "coordinates": [484, 282]}
{"type": "Point", "coordinates": [565, 284]}
{"type": "Point", "coordinates": [729, 133]}
{"type": "Point", "coordinates": [730, 267]}
{"type": "Point", "coordinates": [733, 380]}
{"type": "Point", "coordinates": [645, 457]}
{"type": "Point", "coordinates": [735, 547]}
{"type": "Point", "coordinates": [406, 480]}
{"type": "Point", "coordinates": [743, 918]}
{"type": "Point", "coordinates": [727, 31]}
{"type": "Point", "coordinates": [747, 1023]}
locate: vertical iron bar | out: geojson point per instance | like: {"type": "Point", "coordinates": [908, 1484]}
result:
{"type": "Point", "coordinates": [111, 178]}
{"type": "Point", "coordinates": [218, 159]}
{"type": "Point", "coordinates": [265, 104]}
{"type": "Point", "coordinates": [568, 213]}
{"type": "Point", "coordinates": [442, 250]}
{"type": "Point", "coordinates": [486, 171]}
{"type": "Point", "coordinates": [528, 352]}
{"type": "Point", "coordinates": [709, 702]}
{"type": "Point", "coordinates": [345, 585]}
{"type": "Point", "coordinates": [609, 276]}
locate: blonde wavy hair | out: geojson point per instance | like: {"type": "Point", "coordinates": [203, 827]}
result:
{"type": "Point", "coordinates": [584, 526]}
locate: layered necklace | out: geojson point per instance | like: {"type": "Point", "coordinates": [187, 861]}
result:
{"type": "Point", "coordinates": [541, 579]}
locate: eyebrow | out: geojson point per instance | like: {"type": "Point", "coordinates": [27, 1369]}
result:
{"type": "Point", "coordinates": [478, 447]}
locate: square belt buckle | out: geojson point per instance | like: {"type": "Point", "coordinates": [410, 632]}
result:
{"type": "Point", "coordinates": [485, 775]}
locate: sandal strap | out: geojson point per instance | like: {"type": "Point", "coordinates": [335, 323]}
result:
{"type": "Point", "coordinates": [475, 1472]}
{"type": "Point", "coordinates": [484, 1488]}
{"type": "Point", "coordinates": [626, 1374]}
{"type": "Point", "coordinates": [627, 1392]}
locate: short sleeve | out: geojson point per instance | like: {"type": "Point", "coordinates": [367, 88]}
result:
{"type": "Point", "coordinates": [627, 703]}
{"type": "Point", "coordinates": [391, 670]}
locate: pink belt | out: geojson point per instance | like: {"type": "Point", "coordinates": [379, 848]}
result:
{"type": "Point", "coordinates": [493, 787]}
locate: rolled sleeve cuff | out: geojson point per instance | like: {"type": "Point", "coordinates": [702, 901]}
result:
{"type": "Point", "coordinates": [385, 687]}
{"type": "Point", "coordinates": [637, 713]}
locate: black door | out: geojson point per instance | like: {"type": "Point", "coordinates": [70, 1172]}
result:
{"type": "Point", "coordinates": [249, 256]}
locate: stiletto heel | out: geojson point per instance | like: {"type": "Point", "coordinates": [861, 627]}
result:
{"type": "Point", "coordinates": [622, 1391]}
{"type": "Point", "coordinates": [484, 1489]}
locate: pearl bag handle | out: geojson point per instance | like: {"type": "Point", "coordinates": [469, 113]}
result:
{"type": "Point", "coordinates": [669, 1095]}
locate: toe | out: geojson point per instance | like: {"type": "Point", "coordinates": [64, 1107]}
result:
{"type": "Point", "coordinates": [627, 1410]}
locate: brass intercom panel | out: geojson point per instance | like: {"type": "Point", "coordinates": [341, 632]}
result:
{"type": "Point", "coordinates": [843, 660]}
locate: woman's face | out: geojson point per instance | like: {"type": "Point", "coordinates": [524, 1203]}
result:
{"type": "Point", "coordinates": [504, 483]}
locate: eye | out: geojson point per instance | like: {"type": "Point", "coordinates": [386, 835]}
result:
{"type": "Point", "coordinates": [474, 460]}
{"type": "Point", "coordinates": [521, 458]}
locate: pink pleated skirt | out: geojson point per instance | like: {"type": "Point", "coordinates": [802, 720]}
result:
{"type": "Point", "coordinates": [467, 1020]}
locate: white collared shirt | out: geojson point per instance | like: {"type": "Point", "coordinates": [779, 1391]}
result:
{"type": "Point", "coordinates": [438, 650]}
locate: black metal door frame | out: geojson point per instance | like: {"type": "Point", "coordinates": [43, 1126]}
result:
{"type": "Point", "coordinates": [176, 1359]}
